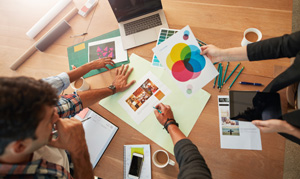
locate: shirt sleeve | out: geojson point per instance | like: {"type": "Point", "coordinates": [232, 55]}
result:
{"type": "Point", "coordinates": [69, 105]}
{"type": "Point", "coordinates": [191, 162]}
{"type": "Point", "coordinates": [278, 47]}
{"type": "Point", "coordinates": [59, 82]}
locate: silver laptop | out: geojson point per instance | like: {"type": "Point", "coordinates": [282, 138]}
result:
{"type": "Point", "coordinates": [139, 20]}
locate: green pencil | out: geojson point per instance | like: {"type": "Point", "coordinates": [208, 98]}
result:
{"type": "Point", "coordinates": [216, 76]}
{"type": "Point", "coordinates": [223, 82]}
{"type": "Point", "coordinates": [232, 72]}
{"type": "Point", "coordinates": [221, 71]}
{"type": "Point", "coordinates": [236, 77]}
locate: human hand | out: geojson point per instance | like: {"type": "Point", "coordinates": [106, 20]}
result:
{"type": "Point", "coordinates": [166, 113]}
{"type": "Point", "coordinates": [120, 81]}
{"type": "Point", "coordinates": [273, 125]}
{"type": "Point", "coordinates": [71, 136]}
{"type": "Point", "coordinates": [212, 52]}
{"type": "Point", "coordinates": [101, 63]}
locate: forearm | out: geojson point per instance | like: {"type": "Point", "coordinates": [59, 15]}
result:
{"type": "Point", "coordinates": [234, 54]}
{"type": "Point", "coordinates": [82, 164]}
{"type": "Point", "coordinates": [79, 72]}
{"type": "Point", "coordinates": [90, 97]}
{"type": "Point", "coordinates": [175, 133]}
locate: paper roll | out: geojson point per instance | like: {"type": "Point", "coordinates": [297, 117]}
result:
{"type": "Point", "coordinates": [32, 49]}
{"type": "Point", "coordinates": [49, 16]}
{"type": "Point", "coordinates": [46, 41]}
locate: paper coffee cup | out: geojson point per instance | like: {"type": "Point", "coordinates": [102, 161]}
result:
{"type": "Point", "coordinates": [251, 35]}
{"type": "Point", "coordinates": [80, 85]}
{"type": "Point", "coordinates": [161, 159]}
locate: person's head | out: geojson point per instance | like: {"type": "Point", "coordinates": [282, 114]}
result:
{"type": "Point", "coordinates": [27, 114]}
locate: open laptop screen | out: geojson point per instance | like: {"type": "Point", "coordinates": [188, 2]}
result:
{"type": "Point", "coordinates": [128, 9]}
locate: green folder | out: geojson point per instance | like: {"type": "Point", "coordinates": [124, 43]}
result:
{"type": "Point", "coordinates": [78, 54]}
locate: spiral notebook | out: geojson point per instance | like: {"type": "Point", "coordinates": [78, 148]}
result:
{"type": "Point", "coordinates": [143, 149]}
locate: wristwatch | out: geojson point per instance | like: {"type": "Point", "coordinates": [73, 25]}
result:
{"type": "Point", "coordinates": [113, 88]}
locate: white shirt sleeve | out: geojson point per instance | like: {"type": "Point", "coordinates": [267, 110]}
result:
{"type": "Point", "coordinates": [59, 82]}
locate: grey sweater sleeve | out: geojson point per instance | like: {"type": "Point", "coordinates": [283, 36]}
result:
{"type": "Point", "coordinates": [191, 163]}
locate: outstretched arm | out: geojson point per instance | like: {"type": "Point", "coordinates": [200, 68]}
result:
{"type": "Point", "coordinates": [231, 54]}
{"type": "Point", "coordinates": [84, 69]}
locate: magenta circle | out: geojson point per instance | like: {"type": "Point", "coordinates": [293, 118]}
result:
{"type": "Point", "coordinates": [180, 73]}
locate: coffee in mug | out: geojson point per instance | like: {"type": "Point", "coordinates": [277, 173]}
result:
{"type": "Point", "coordinates": [161, 159]}
{"type": "Point", "coordinates": [80, 85]}
{"type": "Point", "coordinates": [251, 35]}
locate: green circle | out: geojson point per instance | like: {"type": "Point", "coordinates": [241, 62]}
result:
{"type": "Point", "coordinates": [189, 91]}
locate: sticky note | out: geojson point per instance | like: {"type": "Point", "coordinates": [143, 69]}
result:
{"type": "Point", "coordinates": [79, 47]}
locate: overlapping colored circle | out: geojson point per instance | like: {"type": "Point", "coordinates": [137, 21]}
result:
{"type": "Point", "coordinates": [185, 62]}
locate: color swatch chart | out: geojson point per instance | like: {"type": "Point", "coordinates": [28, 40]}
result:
{"type": "Point", "coordinates": [163, 35]}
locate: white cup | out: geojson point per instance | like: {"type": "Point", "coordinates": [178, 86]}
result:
{"type": "Point", "coordinates": [254, 30]}
{"type": "Point", "coordinates": [163, 156]}
{"type": "Point", "coordinates": [80, 85]}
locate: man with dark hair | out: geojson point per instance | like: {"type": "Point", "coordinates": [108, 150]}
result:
{"type": "Point", "coordinates": [29, 110]}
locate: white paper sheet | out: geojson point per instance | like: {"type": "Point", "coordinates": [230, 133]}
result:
{"type": "Point", "coordinates": [139, 101]}
{"type": "Point", "coordinates": [180, 56]}
{"type": "Point", "coordinates": [111, 47]}
{"type": "Point", "coordinates": [236, 134]}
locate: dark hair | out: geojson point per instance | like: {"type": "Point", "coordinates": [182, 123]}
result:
{"type": "Point", "coordinates": [22, 107]}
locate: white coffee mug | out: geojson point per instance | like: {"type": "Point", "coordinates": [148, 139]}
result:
{"type": "Point", "coordinates": [80, 85]}
{"type": "Point", "coordinates": [161, 159]}
{"type": "Point", "coordinates": [254, 30]}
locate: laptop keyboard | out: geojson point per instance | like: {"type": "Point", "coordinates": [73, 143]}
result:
{"type": "Point", "coordinates": [142, 24]}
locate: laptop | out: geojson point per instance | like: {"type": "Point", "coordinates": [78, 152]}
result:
{"type": "Point", "coordinates": [139, 20]}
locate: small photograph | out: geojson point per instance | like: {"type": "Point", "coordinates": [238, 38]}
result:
{"type": "Point", "coordinates": [229, 127]}
{"type": "Point", "coordinates": [107, 49]}
{"type": "Point", "coordinates": [142, 94]}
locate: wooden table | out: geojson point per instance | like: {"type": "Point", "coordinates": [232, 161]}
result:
{"type": "Point", "coordinates": [215, 22]}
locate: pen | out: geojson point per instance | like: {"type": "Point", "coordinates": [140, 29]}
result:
{"type": "Point", "coordinates": [158, 110]}
{"type": "Point", "coordinates": [232, 72]}
{"type": "Point", "coordinates": [78, 35]}
{"type": "Point", "coordinates": [55, 131]}
{"type": "Point", "coordinates": [249, 83]}
{"type": "Point", "coordinates": [236, 77]}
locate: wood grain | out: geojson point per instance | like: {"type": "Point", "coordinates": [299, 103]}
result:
{"type": "Point", "coordinates": [218, 22]}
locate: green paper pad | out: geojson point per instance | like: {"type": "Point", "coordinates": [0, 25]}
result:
{"type": "Point", "coordinates": [80, 57]}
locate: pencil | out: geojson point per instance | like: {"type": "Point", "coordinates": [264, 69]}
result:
{"type": "Point", "coordinates": [55, 131]}
{"type": "Point", "coordinates": [236, 77]}
{"type": "Point", "coordinates": [219, 81]}
{"type": "Point", "coordinates": [232, 72]}
{"type": "Point", "coordinates": [216, 77]}
{"type": "Point", "coordinates": [221, 72]}
{"type": "Point", "coordinates": [223, 82]}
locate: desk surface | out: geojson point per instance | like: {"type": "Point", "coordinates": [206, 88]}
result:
{"type": "Point", "coordinates": [215, 22]}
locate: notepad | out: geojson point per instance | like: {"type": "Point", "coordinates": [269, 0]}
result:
{"type": "Point", "coordinates": [99, 132]}
{"type": "Point", "coordinates": [141, 149]}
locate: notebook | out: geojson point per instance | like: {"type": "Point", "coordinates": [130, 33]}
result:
{"type": "Point", "coordinates": [141, 149]}
{"type": "Point", "coordinates": [139, 21]}
{"type": "Point", "coordinates": [99, 132]}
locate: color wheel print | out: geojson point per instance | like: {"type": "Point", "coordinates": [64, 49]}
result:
{"type": "Point", "coordinates": [185, 62]}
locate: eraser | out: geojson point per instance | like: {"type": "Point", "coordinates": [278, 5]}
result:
{"type": "Point", "coordinates": [88, 6]}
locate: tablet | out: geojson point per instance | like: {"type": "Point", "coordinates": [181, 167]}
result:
{"type": "Point", "coordinates": [253, 105]}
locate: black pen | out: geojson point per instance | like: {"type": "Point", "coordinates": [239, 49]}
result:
{"type": "Point", "coordinates": [249, 83]}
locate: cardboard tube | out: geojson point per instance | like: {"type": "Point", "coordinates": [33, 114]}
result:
{"type": "Point", "coordinates": [48, 17]}
{"type": "Point", "coordinates": [32, 49]}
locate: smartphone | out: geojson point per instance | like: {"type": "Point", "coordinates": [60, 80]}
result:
{"type": "Point", "coordinates": [135, 166]}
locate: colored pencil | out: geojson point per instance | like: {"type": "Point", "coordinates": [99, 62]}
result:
{"type": "Point", "coordinates": [236, 77]}
{"type": "Point", "coordinates": [232, 72]}
{"type": "Point", "coordinates": [216, 77]}
{"type": "Point", "coordinates": [221, 72]}
{"type": "Point", "coordinates": [223, 82]}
